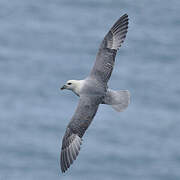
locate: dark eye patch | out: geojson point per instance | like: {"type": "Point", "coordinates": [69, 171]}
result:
{"type": "Point", "coordinates": [69, 83]}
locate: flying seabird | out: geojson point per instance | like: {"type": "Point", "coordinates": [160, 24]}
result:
{"type": "Point", "coordinates": [94, 91]}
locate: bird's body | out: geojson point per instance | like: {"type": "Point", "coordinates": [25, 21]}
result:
{"type": "Point", "coordinates": [94, 91]}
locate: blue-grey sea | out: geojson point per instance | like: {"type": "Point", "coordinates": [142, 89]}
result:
{"type": "Point", "coordinates": [44, 43]}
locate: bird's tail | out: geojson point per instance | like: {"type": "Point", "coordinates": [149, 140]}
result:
{"type": "Point", "coordinates": [119, 100]}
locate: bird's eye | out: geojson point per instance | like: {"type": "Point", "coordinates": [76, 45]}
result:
{"type": "Point", "coordinates": [69, 83]}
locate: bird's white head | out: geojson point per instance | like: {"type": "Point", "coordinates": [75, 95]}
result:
{"type": "Point", "coordinates": [74, 85]}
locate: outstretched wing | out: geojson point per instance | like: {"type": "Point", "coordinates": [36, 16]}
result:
{"type": "Point", "coordinates": [105, 58]}
{"type": "Point", "coordinates": [80, 121]}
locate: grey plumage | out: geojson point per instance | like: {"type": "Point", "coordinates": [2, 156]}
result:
{"type": "Point", "coordinates": [86, 110]}
{"type": "Point", "coordinates": [70, 151]}
{"type": "Point", "coordinates": [119, 100]}
{"type": "Point", "coordinates": [105, 58]}
{"type": "Point", "coordinates": [95, 92]}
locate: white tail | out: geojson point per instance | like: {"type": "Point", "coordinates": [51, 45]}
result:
{"type": "Point", "coordinates": [119, 100]}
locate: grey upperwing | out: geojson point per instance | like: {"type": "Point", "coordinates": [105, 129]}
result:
{"type": "Point", "coordinates": [105, 58]}
{"type": "Point", "coordinates": [80, 121]}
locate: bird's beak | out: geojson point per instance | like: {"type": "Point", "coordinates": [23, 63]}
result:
{"type": "Point", "coordinates": [64, 87]}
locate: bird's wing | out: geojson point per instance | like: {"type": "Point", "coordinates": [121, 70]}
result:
{"type": "Point", "coordinates": [80, 121]}
{"type": "Point", "coordinates": [105, 58]}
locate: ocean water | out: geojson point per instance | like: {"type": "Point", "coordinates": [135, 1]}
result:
{"type": "Point", "coordinates": [43, 43]}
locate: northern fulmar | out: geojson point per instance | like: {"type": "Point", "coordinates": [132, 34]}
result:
{"type": "Point", "coordinates": [93, 91]}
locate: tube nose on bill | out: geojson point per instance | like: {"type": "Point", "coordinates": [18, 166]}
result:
{"type": "Point", "coordinates": [63, 87]}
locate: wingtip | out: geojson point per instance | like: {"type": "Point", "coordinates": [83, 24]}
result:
{"type": "Point", "coordinates": [119, 31]}
{"type": "Point", "coordinates": [70, 153]}
{"type": "Point", "coordinates": [125, 15]}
